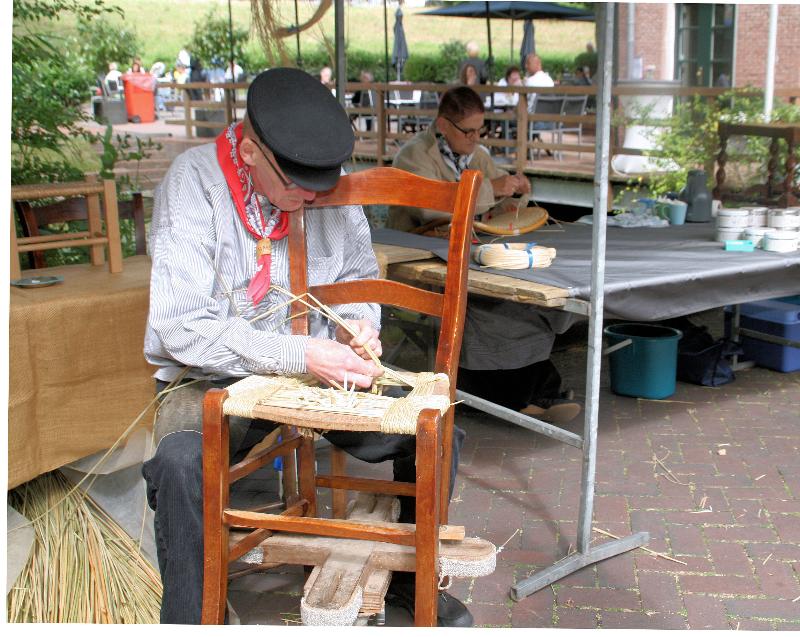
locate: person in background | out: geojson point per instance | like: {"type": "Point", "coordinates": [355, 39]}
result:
{"type": "Point", "coordinates": [136, 66]}
{"type": "Point", "coordinates": [506, 348]}
{"type": "Point", "coordinates": [473, 51]}
{"type": "Point", "coordinates": [512, 77]}
{"type": "Point", "coordinates": [535, 75]}
{"type": "Point", "coordinates": [180, 74]}
{"type": "Point", "coordinates": [112, 79]}
{"type": "Point", "coordinates": [363, 98]}
{"type": "Point", "coordinates": [469, 75]}
{"type": "Point", "coordinates": [326, 76]}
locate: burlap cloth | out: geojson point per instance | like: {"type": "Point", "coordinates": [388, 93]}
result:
{"type": "Point", "coordinates": [77, 375]}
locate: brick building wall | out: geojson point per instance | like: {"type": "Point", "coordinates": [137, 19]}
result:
{"type": "Point", "coordinates": [649, 33]}
{"type": "Point", "coordinates": [752, 31]}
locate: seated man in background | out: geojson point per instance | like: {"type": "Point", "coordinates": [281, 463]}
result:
{"type": "Point", "coordinates": [506, 348]}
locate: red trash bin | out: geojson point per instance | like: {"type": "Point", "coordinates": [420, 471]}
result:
{"type": "Point", "coordinates": [140, 96]}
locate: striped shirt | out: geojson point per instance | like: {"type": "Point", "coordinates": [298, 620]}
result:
{"type": "Point", "coordinates": [203, 259]}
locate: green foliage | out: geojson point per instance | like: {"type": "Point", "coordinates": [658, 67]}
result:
{"type": "Point", "coordinates": [50, 83]}
{"type": "Point", "coordinates": [441, 67]}
{"type": "Point", "coordinates": [689, 140]}
{"type": "Point", "coordinates": [103, 42]}
{"type": "Point", "coordinates": [211, 42]}
{"type": "Point", "coordinates": [586, 59]}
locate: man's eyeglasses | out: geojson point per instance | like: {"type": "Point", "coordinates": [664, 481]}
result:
{"type": "Point", "coordinates": [468, 132]}
{"type": "Point", "coordinates": [278, 172]}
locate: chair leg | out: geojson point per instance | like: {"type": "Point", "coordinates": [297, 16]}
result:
{"type": "Point", "coordinates": [307, 475]}
{"type": "Point", "coordinates": [291, 493]}
{"type": "Point", "coordinates": [429, 475]}
{"type": "Point", "coordinates": [339, 496]}
{"type": "Point", "coordinates": [215, 501]}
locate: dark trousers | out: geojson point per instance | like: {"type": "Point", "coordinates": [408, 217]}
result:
{"type": "Point", "coordinates": [512, 388]}
{"type": "Point", "coordinates": [174, 477]}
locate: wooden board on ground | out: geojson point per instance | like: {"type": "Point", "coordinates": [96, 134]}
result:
{"type": "Point", "coordinates": [342, 566]}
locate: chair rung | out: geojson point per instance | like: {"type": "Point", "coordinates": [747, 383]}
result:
{"type": "Point", "coordinates": [249, 465]}
{"type": "Point", "coordinates": [319, 526]}
{"type": "Point", "coordinates": [366, 485]}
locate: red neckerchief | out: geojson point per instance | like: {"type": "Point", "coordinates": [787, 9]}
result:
{"type": "Point", "coordinates": [240, 185]}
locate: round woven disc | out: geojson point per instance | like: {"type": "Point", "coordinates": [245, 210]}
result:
{"type": "Point", "coordinates": [513, 223]}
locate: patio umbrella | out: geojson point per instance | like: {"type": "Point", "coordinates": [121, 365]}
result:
{"type": "Point", "coordinates": [400, 48]}
{"type": "Point", "coordinates": [510, 10]}
{"type": "Point", "coordinates": [528, 45]}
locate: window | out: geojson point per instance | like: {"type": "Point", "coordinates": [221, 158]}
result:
{"type": "Point", "coordinates": [704, 44]}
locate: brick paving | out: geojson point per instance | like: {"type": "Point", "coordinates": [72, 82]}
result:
{"type": "Point", "coordinates": [724, 500]}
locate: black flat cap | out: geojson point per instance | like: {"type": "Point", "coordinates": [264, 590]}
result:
{"type": "Point", "coordinates": [301, 122]}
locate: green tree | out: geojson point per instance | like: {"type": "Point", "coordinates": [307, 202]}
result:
{"type": "Point", "coordinates": [103, 42]}
{"type": "Point", "coordinates": [211, 41]}
{"type": "Point", "coordinates": [50, 82]}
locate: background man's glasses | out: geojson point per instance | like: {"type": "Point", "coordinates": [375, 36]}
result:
{"type": "Point", "coordinates": [467, 132]}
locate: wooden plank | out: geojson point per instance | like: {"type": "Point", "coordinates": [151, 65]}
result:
{"type": "Point", "coordinates": [400, 254]}
{"type": "Point", "coordinates": [66, 189]}
{"type": "Point", "coordinates": [484, 283]}
{"type": "Point", "coordinates": [95, 223]}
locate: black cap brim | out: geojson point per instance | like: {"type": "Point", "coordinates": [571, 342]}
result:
{"type": "Point", "coordinates": [315, 179]}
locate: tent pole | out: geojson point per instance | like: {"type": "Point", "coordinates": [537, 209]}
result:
{"type": "Point", "coordinates": [490, 61]}
{"type": "Point", "coordinates": [587, 554]}
{"type": "Point", "coordinates": [511, 50]}
{"type": "Point", "coordinates": [299, 59]}
{"type": "Point", "coordinates": [341, 68]}
{"type": "Point", "coordinates": [769, 83]}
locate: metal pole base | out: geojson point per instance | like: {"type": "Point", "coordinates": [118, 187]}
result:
{"type": "Point", "coordinates": [575, 562]}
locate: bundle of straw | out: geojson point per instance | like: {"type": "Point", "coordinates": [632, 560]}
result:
{"type": "Point", "coordinates": [83, 567]}
{"type": "Point", "coordinates": [514, 256]}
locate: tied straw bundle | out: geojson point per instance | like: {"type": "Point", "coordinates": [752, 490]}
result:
{"type": "Point", "coordinates": [514, 256]}
{"type": "Point", "coordinates": [83, 567]}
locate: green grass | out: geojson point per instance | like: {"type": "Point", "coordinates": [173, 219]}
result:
{"type": "Point", "coordinates": [164, 27]}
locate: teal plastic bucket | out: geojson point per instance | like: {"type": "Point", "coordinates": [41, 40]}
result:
{"type": "Point", "coordinates": [646, 367]}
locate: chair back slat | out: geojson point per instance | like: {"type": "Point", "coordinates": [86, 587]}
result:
{"type": "Point", "coordinates": [548, 104]}
{"type": "Point", "coordinates": [388, 186]}
{"type": "Point", "coordinates": [398, 187]}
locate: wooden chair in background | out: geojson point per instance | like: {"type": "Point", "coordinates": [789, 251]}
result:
{"type": "Point", "coordinates": [34, 218]}
{"type": "Point", "coordinates": [434, 433]}
{"type": "Point", "coordinates": [94, 237]}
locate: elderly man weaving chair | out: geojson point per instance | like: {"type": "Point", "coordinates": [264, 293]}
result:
{"type": "Point", "coordinates": [230, 239]}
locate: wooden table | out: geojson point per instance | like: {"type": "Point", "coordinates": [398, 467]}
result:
{"type": "Point", "coordinates": [788, 132]}
{"type": "Point", "coordinates": [77, 374]}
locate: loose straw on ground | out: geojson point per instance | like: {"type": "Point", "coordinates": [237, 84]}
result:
{"type": "Point", "coordinates": [646, 550]}
{"type": "Point", "coordinates": [83, 567]}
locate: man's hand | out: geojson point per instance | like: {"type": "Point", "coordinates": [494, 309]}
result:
{"type": "Point", "coordinates": [331, 361]}
{"type": "Point", "coordinates": [365, 335]}
{"type": "Point", "coordinates": [508, 185]}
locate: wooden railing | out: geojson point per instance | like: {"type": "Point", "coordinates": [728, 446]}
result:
{"type": "Point", "coordinates": [389, 120]}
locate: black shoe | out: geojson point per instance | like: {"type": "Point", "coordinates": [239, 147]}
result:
{"type": "Point", "coordinates": [450, 612]}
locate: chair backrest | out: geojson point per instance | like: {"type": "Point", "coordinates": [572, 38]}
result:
{"type": "Point", "coordinates": [391, 186]}
{"type": "Point", "coordinates": [112, 85]}
{"type": "Point", "coordinates": [574, 105]}
{"type": "Point", "coordinates": [548, 104]}
{"type": "Point", "coordinates": [32, 218]}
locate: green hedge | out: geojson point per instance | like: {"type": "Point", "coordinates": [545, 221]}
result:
{"type": "Point", "coordinates": [439, 67]}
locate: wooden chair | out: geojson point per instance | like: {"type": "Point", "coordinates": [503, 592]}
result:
{"type": "Point", "coordinates": [33, 218]}
{"type": "Point", "coordinates": [434, 433]}
{"type": "Point", "coordinates": [94, 237]}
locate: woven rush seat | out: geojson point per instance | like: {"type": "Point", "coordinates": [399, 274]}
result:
{"type": "Point", "coordinates": [302, 402]}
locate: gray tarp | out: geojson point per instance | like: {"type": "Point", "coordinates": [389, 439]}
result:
{"type": "Point", "coordinates": [651, 273]}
